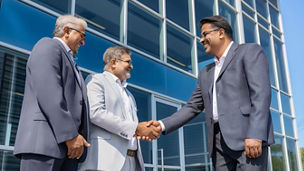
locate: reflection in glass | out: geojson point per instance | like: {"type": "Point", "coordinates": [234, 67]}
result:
{"type": "Point", "coordinates": [292, 154]}
{"type": "Point", "coordinates": [151, 4]}
{"type": "Point", "coordinates": [179, 49]}
{"type": "Point", "coordinates": [247, 10]}
{"type": "Point", "coordinates": [276, 121]}
{"type": "Point", "coordinates": [143, 104]}
{"type": "Point", "coordinates": [280, 65]}
{"type": "Point", "coordinates": [203, 58]}
{"type": "Point", "coordinates": [277, 154]}
{"type": "Point", "coordinates": [249, 29]}
{"type": "Point", "coordinates": [262, 8]}
{"type": "Point", "coordinates": [62, 7]}
{"type": "Point", "coordinates": [203, 9]}
{"type": "Point", "coordinates": [288, 126]}
{"type": "Point", "coordinates": [249, 2]}
{"type": "Point", "coordinates": [274, 99]}
{"type": "Point", "coordinates": [274, 15]}
{"type": "Point", "coordinates": [104, 16]}
{"type": "Point", "coordinates": [169, 143]}
{"type": "Point", "coordinates": [178, 12]}
{"type": "Point", "coordinates": [265, 43]}
{"type": "Point", "coordinates": [8, 161]}
{"type": "Point", "coordinates": [263, 22]}
{"type": "Point", "coordinates": [285, 103]}
{"type": "Point", "coordinates": [230, 16]}
{"type": "Point", "coordinates": [143, 31]}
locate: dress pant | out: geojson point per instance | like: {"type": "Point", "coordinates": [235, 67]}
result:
{"type": "Point", "coordinates": [226, 159]}
{"type": "Point", "coordinates": [35, 162]}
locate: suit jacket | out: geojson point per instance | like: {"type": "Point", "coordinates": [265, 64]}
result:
{"type": "Point", "coordinates": [110, 126]}
{"type": "Point", "coordinates": [243, 99]}
{"type": "Point", "coordinates": [54, 107]}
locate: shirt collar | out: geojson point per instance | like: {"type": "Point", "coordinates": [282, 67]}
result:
{"type": "Point", "coordinates": [222, 58]}
{"type": "Point", "coordinates": [66, 47]}
{"type": "Point", "coordinates": [116, 79]}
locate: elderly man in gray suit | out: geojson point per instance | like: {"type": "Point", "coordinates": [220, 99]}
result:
{"type": "Point", "coordinates": [235, 93]}
{"type": "Point", "coordinates": [113, 116]}
{"type": "Point", "coordinates": [53, 123]}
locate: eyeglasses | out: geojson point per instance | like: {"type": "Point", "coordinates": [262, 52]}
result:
{"type": "Point", "coordinates": [128, 61]}
{"type": "Point", "coordinates": [204, 34]}
{"type": "Point", "coordinates": [82, 35]}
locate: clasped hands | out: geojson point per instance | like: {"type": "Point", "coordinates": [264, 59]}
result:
{"type": "Point", "coordinates": [148, 130]}
{"type": "Point", "coordinates": [75, 146]}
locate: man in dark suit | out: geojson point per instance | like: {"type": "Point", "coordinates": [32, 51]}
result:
{"type": "Point", "coordinates": [236, 94]}
{"type": "Point", "coordinates": [53, 124]}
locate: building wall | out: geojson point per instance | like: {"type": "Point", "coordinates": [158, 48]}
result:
{"type": "Point", "coordinates": [164, 37]}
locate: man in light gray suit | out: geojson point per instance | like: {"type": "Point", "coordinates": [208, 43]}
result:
{"type": "Point", "coordinates": [53, 123]}
{"type": "Point", "coordinates": [113, 116]}
{"type": "Point", "coordinates": [235, 93]}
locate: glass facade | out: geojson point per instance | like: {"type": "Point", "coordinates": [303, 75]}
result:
{"type": "Point", "coordinates": [167, 56]}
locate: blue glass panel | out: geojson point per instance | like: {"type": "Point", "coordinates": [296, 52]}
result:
{"type": "Point", "coordinates": [262, 8]}
{"type": "Point", "coordinates": [203, 9]}
{"type": "Point", "coordinates": [276, 121]}
{"type": "Point", "coordinates": [20, 28]}
{"type": "Point", "coordinates": [62, 7]}
{"type": "Point", "coordinates": [230, 17]}
{"type": "Point", "coordinates": [263, 22]}
{"type": "Point", "coordinates": [90, 55]}
{"type": "Point", "coordinates": [280, 65]}
{"type": "Point", "coordinates": [249, 2]}
{"type": "Point", "coordinates": [179, 48]}
{"type": "Point", "coordinates": [8, 161]}
{"type": "Point", "coordinates": [203, 58]}
{"type": "Point", "coordinates": [274, 15]}
{"type": "Point", "coordinates": [104, 16]}
{"type": "Point", "coordinates": [277, 154]}
{"type": "Point", "coordinates": [231, 2]}
{"type": "Point", "coordinates": [247, 10]}
{"type": "Point", "coordinates": [139, 22]}
{"type": "Point", "coordinates": [277, 33]}
{"type": "Point", "coordinates": [274, 99]}
{"type": "Point", "coordinates": [151, 4]}
{"type": "Point", "coordinates": [178, 12]}
{"type": "Point", "coordinates": [288, 126]}
{"type": "Point", "coordinates": [285, 103]}
{"type": "Point", "coordinates": [274, 2]}
{"type": "Point", "coordinates": [250, 30]}
{"type": "Point", "coordinates": [292, 154]}
{"type": "Point", "coordinates": [265, 43]}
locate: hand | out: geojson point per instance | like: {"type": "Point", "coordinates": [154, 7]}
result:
{"type": "Point", "coordinates": [75, 146]}
{"type": "Point", "coordinates": [253, 148]}
{"type": "Point", "coordinates": [147, 131]}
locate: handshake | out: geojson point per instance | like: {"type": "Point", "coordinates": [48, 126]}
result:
{"type": "Point", "coordinates": [148, 130]}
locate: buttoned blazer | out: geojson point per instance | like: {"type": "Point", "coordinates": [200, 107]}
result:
{"type": "Point", "coordinates": [110, 125]}
{"type": "Point", "coordinates": [55, 106]}
{"type": "Point", "coordinates": [243, 99]}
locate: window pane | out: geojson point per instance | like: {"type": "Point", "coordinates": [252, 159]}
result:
{"type": "Point", "coordinates": [62, 7]}
{"type": "Point", "coordinates": [288, 126]}
{"type": "Point", "coordinates": [247, 10]}
{"type": "Point", "coordinates": [178, 12]}
{"type": "Point", "coordinates": [230, 17]}
{"type": "Point", "coordinates": [274, 99]}
{"type": "Point", "coordinates": [292, 154]}
{"type": "Point", "coordinates": [231, 2]}
{"type": "Point", "coordinates": [280, 65]}
{"type": "Point", "coordinates": [250, 31]}
{"type": "Point", "coordinates": [274, 15]}
{"type": "Point", "coordinates": [179, 49]}
{"type": "Point", "coordinates": [8, 161]}
{"type": "Point", "coordinates": [249, 2]}
{"type": "Point", "coordinates": [104, 16]}
{"type": "Point", "coordinates": [277, 154]}
{"type": "Point", "coordinates": [285, 103]}
{"type": "Point", "coordinates": [143, 104]}
{"type": "Point", "coordinates": [261, 8]}
{"type": "Point", "coordinates": [263, 22]}
{"type": "Point", "coordinates": [151, 4]}
{"type": "Point", "coordinates": [277, 33]}
{"type": "Point", "coordinates": [265, 43]}
{"type": "Point", "coordinates": [203, 58]}
{"type": "Point", "coordinates": [276, 121]}
{"type": "Point", "coordinates": [274, 2]}
{"type": "Point", "coordinates": [143, 31]}
{"type": "Point", "coordinates": [202, 9]}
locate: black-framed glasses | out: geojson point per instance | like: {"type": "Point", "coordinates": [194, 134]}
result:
{"type": "Point", "coordinates": [128, 61]}
{"type": "Point", "coordinates": [82, 35]}
{"type": "Point", "coordinates": [204, 34]}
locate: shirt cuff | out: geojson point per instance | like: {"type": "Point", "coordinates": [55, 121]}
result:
{"type": "Point", "coordinates": [162, 125]}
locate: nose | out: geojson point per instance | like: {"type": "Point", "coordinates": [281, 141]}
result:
{"type": "Point", "coordinates": [131, 66]}
{"type": "Point", "coordinates": [82, 42]}
{"type": "Point", "coordinates": [202, 39]}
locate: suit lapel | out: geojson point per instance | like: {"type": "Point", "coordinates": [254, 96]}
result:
{"type": "Point", "coordinates": [211, 80]}
{"type": "Point", "coordinates": [230, 55]}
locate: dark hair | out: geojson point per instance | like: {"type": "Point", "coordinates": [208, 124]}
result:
{"type": "Point", "coordinates": [218, 21]}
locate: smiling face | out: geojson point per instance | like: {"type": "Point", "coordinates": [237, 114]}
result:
{"type": "Point", "coordinates": [122, 67]}
{"type": "Point", "coordinates": [74, 37]}
{"type": "Point", "coordinates": [210, 38]}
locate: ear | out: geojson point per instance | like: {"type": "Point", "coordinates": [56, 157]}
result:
{"type": "Point", "coordinates": [66, 30]}
{"type": "Point", "coordinates": [112, 63]}
{"type": "Point", "coordinates": [222, 33]}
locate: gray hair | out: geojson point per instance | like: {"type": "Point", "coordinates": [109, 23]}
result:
{"type": "Point", "coordinates": [67, 20]}
{"type": "Point", "coordinates": [114, 52]}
